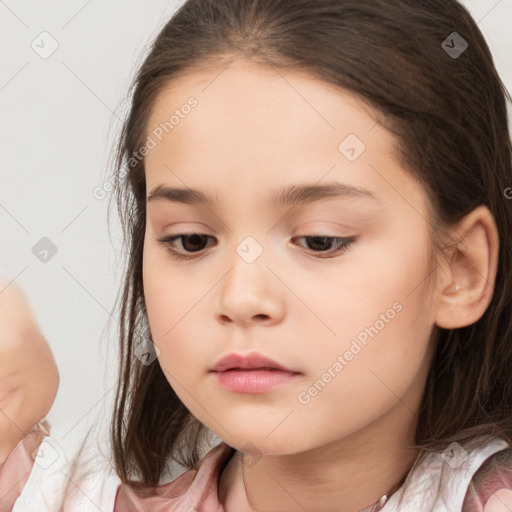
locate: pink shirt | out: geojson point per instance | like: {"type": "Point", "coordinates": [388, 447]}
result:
{"type": "Point", "coordinates": [482, 477]}
{"type": "Point", "coordinates": [194, 490]}
{"type": "Point", "coordinates": [16, 469]}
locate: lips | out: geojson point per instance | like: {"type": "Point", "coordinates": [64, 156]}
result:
{"type": "Point", "coordinates": [251, 361]}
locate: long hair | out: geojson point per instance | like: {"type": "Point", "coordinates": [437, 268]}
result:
{"type": "Point", "coordinates": [448, 114]}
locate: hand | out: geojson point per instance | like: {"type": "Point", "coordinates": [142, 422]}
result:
{"type": "Point", "coordinates": [29, 378]}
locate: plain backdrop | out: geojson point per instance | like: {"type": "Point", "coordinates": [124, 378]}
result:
{"type": "Point", "coordinates": [60, 115]}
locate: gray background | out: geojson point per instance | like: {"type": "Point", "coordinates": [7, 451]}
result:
{"type": "Point", "coordinates": [60, 116]}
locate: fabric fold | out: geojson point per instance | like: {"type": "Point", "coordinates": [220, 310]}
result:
{"type": "Point", "coordinates": [194, 490]}
{"type": "Point", "coordinates": [17, 467]}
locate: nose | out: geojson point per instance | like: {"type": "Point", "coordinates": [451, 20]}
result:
{"type": "Point", "coordinates": [250, 293]}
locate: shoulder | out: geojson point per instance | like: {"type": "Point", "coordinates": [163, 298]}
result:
{"type": "Point", "coordinates": [490, 489]}
{"type": "Point", "coordinates": [193, 488]}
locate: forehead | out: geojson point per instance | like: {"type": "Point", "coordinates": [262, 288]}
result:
{"type": "Point", "coordinates": [255, 127]}
{"type": "Point", "coordinates": [263, 92]}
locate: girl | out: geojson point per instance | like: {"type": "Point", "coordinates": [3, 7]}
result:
{"type": "Point", "coordinates": [316, 203]}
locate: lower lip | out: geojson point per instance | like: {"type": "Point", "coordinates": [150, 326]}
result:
{"type": "Point", "coordinates": [253, 381]}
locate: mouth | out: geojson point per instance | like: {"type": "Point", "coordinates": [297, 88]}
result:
{"type": "Point", "coordinates": [264, 368]}
{"type": "Point", "coordinates": [254, 380]}
{"type": "Point", "coordinates": [252, 361]}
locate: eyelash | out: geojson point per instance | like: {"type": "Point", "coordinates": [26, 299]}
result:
{"type": "Point", "coordinates": [344, 244]}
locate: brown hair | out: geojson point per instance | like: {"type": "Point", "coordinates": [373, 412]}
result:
{"type": "Point", "coordinates": [448, 114]}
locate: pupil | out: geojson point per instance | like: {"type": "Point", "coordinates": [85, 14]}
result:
{"type": "Point", "coordinates": [321, 239]}
{"type": "Point", "coordinates": [195, 240]}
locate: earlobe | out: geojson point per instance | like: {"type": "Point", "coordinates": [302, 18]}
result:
{"type": "Point", "coordinates": [466, 291]}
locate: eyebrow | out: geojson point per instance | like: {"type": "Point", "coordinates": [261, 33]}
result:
{"type": "Point", "coordinates": [290, 195]}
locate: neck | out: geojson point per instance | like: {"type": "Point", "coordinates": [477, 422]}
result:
{"type": "Point", "coordinates": [349, 475]}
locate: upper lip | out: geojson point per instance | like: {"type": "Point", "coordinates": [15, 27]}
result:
{"type": "Point", "coordinates": [246, 362]}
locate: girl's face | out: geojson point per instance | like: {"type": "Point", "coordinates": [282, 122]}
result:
{"type": "Point", "coordinates": [353, 321]}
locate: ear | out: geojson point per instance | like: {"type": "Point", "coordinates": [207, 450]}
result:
{"type": "Point", "coordinates": [469, 271]}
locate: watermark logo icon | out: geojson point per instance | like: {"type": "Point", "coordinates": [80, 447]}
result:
{"type": "Point", "coordinates": [249, 249]}
{"type": "Point", "coordinates": [454, 45]}
{"type": "Point", "coordinates": [44, 45]}
{"type": "Point", "coordinates": [45, 455]}
{"type": "Point", "coordinates": [454, 455]}
{"type": "Point", "coordinates": [251, 458]}
{"type": "Point", "coordinates": [44, 250]}
{"type": "Point", "coordinates": [146, 351]}
{"type": "Point", "coordinates": [352, 147]}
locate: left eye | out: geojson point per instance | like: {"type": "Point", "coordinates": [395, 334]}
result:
{"type": "Point", "coordinates": [194, 242]}
{"type": "Point", "coordinates": [340, 243]}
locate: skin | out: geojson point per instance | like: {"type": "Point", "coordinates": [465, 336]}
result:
{"type": "Point", "coordinates": [29, 378]}
{"type": "Point", "coordinates": [255, 130]}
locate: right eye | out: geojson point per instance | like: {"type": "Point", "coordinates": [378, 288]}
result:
{"type": "Point", "coordinates": [193, 242]}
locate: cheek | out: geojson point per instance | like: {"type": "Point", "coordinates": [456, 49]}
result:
{"type": "Point", "coordinates": [380, 283]}
{"type": "Point", "coordinates": [172, 305]}
{"type": "Point", "coordinates": [376, 316]}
